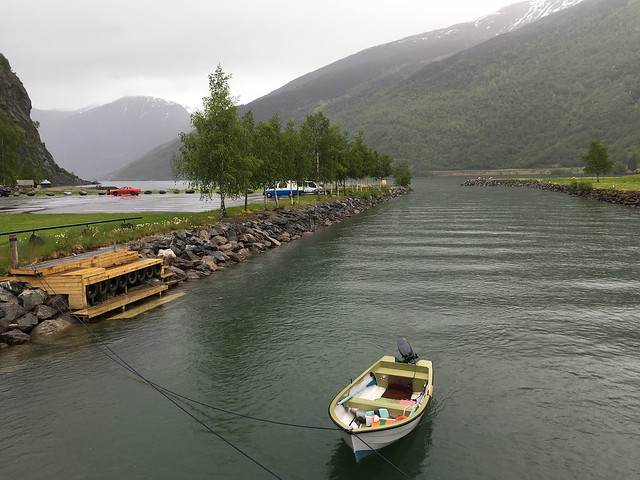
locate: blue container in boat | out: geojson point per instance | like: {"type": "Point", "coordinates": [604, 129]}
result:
{"type": "Point", "coordinates": [384, 413]}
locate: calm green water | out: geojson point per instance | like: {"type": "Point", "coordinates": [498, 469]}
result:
{"type": "Point", "coordinates": [526, 301]}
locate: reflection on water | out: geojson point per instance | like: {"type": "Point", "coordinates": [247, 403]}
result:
{"type": "Point", "coordinates": [409, 455]}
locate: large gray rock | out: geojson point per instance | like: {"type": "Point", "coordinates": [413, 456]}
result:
{"type": "Point", "coordinates": [229, 246]}
{"type": "Point", "coordinates": [14, 337]}
{"type": "Point", "coordinates": [178, 272]}
{"type": "Point", "coordinates": [10, 311]}
{"type": "Point", "coordinates": [220, 257]}
{"type": "Point", "coordinates": [218, 240]}
{"type": "Point", "coordinates": [49, 328]}
{"type": "Point", "coordinates": [27, 322]}
{"type": "Point", "coordinates": [7, 296]}
{"type": "Point", "coordinates": [59, 302]}
{"type": "Point", "coordinates": [44, 312]}
{"type": "Point", "coordinates": [210, 262]}
{"type": "Point", "coordinates": [30, 299]}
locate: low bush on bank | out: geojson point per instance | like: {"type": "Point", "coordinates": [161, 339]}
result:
{"type": "Point", "coordinates": [581, 186]}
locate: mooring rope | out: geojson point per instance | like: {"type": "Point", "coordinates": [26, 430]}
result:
{"type": "Point", "coordinates": [167, 393]}
{"type": "Point", "coordinates": [123, 363]}
{"type": "Point", "coordinates": [351, 432]}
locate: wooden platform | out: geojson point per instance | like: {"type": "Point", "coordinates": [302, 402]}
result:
{"type": "Point", "coordinates": [120, 301]}
{"type": "Point", "coordinates": [99, 258]}
{"type": "Point", "coordinates": [98, 282]}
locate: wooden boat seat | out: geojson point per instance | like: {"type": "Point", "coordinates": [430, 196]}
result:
{"type": "Point", "coordinates": [399, 388]}
{"type": "Point", "coordinates": [394, 406]}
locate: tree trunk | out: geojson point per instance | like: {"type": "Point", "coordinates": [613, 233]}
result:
{"type": "Point", "coordinates": [223, 207]}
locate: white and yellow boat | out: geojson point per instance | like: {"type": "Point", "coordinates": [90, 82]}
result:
{"type": "Point", "coordinates": [385, 402]}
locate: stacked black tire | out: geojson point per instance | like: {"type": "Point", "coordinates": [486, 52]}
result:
{"type": "Point", "coordinates": [99, 292]}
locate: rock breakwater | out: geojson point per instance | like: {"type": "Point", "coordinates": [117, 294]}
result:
{"type": "Point", "coordinates": [28, 314]}
{"type": "Point", "coordinates": [629, 198]}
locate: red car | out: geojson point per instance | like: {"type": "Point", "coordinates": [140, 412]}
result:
{"type": "Point", "coordinates": [124, 191]}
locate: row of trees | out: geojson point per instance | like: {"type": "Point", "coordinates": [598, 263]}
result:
{"type": "Point", "coordinates": [236, 155]}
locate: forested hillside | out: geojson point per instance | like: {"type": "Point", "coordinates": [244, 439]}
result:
{"type": "Point", "coordinates": [534, 97]}
{"type": "Point", "coordinates": [383, 66]}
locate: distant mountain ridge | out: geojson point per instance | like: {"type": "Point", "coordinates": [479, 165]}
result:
{"type": "Point", "coordinates": [377, 67]}
{"type": "Point", "coordinates": [535, 97]}
{"type": "Point", "coordinates": [97, 141]}
{"type": "Point", "coordinates": [366, 74]}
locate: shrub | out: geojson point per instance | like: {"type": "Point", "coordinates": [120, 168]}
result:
{"type": "Point", "coordinates": [581, 186]}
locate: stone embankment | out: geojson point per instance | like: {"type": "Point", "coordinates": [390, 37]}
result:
{"type": "Point", "coordinates": [28, 314]}
{"type": "Point", "coordinates": [629, 198]}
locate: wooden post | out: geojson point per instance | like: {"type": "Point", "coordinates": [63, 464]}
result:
{"type": "Point", "coordinates": [13, 246]}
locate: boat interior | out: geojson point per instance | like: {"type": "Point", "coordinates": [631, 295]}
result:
{"type": "Point", "coordinates": [388, 388]}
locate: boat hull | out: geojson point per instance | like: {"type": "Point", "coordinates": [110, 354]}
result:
{"type": "Point", "coordinates": [397, 391]}
{"type": "Point", "coordinates": [364, 444]}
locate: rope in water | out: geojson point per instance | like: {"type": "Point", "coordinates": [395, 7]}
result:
{"type": "Point", "coordinates": [167, 393]}
{"type": "Point", "coordinates": [112, 355]}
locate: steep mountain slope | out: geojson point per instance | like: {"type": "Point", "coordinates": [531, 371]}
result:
{"type": "Point", "coordinates": [365, 74]}
{"type": "Point", "coordinates": [22, 153]}
{"type": "Point", "coordinates": [100, 140]}
{"type": "Point", "coordinates": [385, 65]}
{"type": "Point", "coordinates": [534, 97]}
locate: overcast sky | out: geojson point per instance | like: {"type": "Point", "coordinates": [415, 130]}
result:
{"type": "Point", "coordinates": [71, 54]}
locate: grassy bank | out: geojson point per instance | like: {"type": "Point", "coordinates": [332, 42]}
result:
{"type": "Point", "coordinates": [625, 182]}
{"type": "Point", "coordinates": [60, 242]}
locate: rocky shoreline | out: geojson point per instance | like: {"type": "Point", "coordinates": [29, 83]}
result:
{"type": "Point", "coordinates": [31, 315]}
{"type": "Point", "coordinates": [629, 198]}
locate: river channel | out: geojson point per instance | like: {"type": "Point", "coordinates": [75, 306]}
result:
{"type": "Point", "coordinates": [526, 301]}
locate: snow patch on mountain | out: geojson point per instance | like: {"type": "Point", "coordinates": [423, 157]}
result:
{"type": "Point", "coordinates": [533, 10]}
{"type": "Point", "coordinates": [542, 8]}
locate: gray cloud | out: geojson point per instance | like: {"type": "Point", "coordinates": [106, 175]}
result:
{"type": "Point", "coordinates": [74, 53]}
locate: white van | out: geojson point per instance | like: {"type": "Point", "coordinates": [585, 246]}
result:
{"type": "Point", "coordinates": [309, 186]}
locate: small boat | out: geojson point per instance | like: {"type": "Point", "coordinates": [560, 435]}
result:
{"type": "Point", "coordinates": [385, 402]}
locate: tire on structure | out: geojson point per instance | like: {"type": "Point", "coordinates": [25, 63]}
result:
{"type": "Point", "coordinates": [92, 292]}
{"type": "Point", "coordinates": [132, 278]}
{"type": "Point", "coordinates": [113, 286]}
{"type": "Point", "coordinates": [122, 281]}
{"type": "Point", "coordinates": [103, 289]}
{"type": "Point", "coordinates": [141, 275]}
{"type": "Point", "coordinates": [157, 270]}
{"type": "Point", "coordinates": [148, 272]}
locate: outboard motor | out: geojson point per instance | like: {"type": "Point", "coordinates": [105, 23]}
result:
{"type": "Point", "coordinates": [408, 355]}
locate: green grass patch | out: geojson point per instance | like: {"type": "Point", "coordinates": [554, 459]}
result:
{"type": "Point", "coordinates": [60, 242]}
{"type": "Point", "coordinates": [626, 182]}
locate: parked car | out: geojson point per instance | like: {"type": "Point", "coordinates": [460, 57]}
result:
{"type": "Point", "coordinates": [310, 187]}
{"type": "Point", "coordinates": [282, 189]}
{"type": "Point", "coordinates": [4, 191]}
{"type": "Point", "coordinates": [123, 191]}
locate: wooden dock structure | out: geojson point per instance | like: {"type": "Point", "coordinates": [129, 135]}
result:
{"type": "Point", "coordinates": [98, 282]}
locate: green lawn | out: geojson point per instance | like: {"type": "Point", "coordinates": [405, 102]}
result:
{"type": "Point", "coordinates": [626, 182]}
{"type": "Point", "coordinates": [61, 241]}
